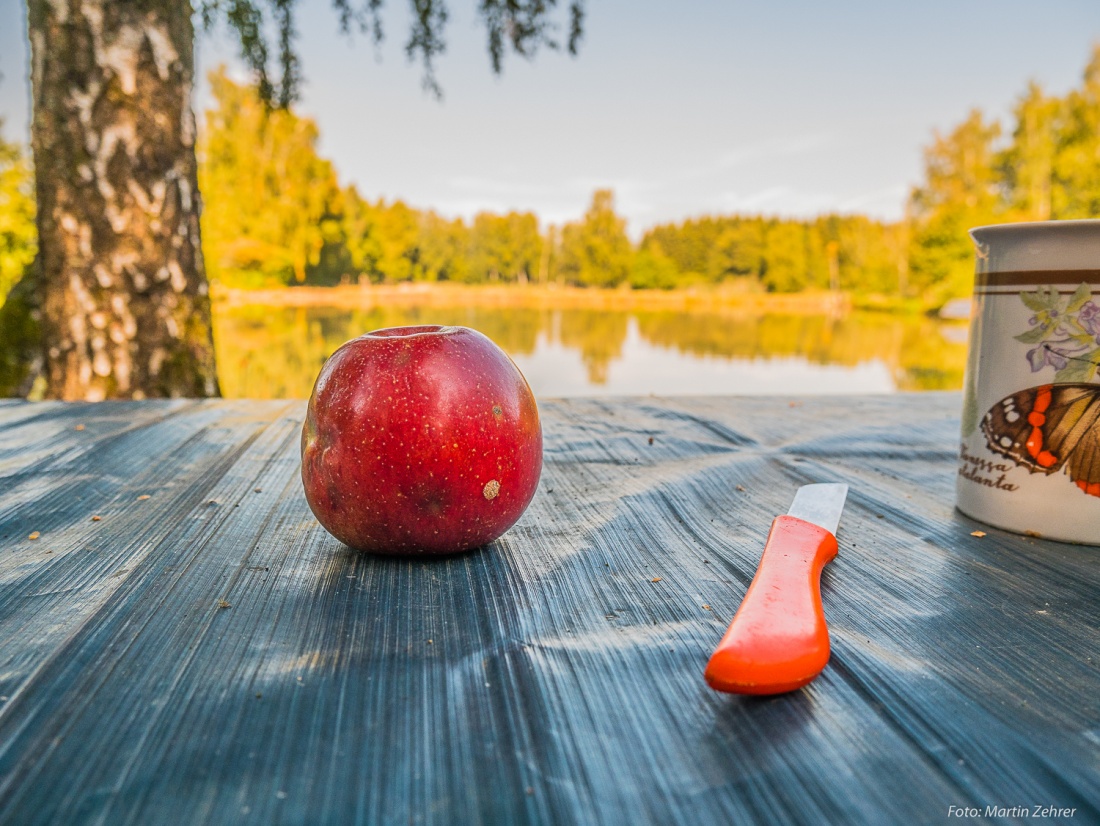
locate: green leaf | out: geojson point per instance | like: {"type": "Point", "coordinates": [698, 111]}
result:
{"type": "Point", "coordinates": [1036, 301]}
{"type": "Point", "coordinates": [1079, 369]}
{"type": "Point", "coordinates": [1032, 336]}
{"type": "Point", "coordinates": [1078, 299]}
{"type": "Point", "coordinates": [1093, 358]}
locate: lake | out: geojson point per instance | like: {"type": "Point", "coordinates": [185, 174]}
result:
{"type": "Point", "coordinates": [267, 351]}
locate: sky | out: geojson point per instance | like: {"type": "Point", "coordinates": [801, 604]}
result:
{"type": "Point", "coordinates": [682, 107]}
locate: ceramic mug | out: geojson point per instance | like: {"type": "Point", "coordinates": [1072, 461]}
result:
{"type": "Point", "coordinates": [1030, 455]}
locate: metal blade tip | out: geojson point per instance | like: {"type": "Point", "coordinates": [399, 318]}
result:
{"type": "Point", "coordinates": [820, 504]}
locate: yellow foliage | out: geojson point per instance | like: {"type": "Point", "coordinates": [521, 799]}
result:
{"type": "Point", "coordinates": [18, 236]}
{"type": "Point", "coordinates": [271, 202]}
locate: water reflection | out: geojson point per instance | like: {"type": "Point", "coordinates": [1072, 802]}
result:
{"type": "Point", "coordinates": [276, 352]}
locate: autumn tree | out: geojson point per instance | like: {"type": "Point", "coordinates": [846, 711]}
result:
{"type": "Point", "coordinates": [505, 247]}
{"type": "Point", "coordinates": [361, 234]}
{"type": "Point", "coordinates": [398, 233]}
{"type": "Point", "coordinates": [1075, 185]}
{"type": "Point", "coordinates": [393, 242]}
{"type": "Point", "coordinates": [17, 235]}
{"type": "Point", "coordinates": [652, 269]}
{"type": "Point", "coordinates": [1045, 164]}
{"type": "Point", "coordinates": [272, 205]}
{"type": "Point", "coordinates": [120, 288]}
{"type": "Point", "coordinates": [869, 256]}
{"type": "Point", "coordinates": [596, 251]}
{"type": "Point", "coordinates": [443, 248]}
{"type": "Point", "coordinates": [689, 245]}
{"type": "Point", "coordinates": [960, 190]}
{"type": "Point", "coordinates": [739, 251]}
{"type": "Point", "coordinates": [789, 261]}
{"type": "Point", "coordinates": [1026, 165]}
{"type": "Point", "coordinates": [18, 242]}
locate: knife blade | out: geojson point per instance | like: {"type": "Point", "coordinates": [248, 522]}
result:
{"type": "Point", "coordinates": [778, 640]}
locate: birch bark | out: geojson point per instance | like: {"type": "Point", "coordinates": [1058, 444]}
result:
{"type": "Point", "coordinates": [125, 305]}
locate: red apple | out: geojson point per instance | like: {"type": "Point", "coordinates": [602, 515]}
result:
{"type": "Point", "coordinates": [420, 440]}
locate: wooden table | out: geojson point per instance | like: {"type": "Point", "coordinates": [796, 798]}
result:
{"type": "Point", "coordinates": [182, 643]}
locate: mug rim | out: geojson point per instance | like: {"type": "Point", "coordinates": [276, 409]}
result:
{"type": "Point", "coordinates": [1041, 248]}
{"type": "Point", "coordinates": [1015, 227]}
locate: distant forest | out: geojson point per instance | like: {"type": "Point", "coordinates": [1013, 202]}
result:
{"type": "Point", "coordinates": [276, 214]}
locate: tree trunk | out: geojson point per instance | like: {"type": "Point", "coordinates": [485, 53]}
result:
{"type": "Point", "coordinates": [125, 307]}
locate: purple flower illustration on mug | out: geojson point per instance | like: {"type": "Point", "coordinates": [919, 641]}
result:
{"type": "Point", "coordinates": [1089, 319]}
{"type": "Point", "coordinates": [1065, 331]}
{"type": "Point", "coordinates": [1046, 356]}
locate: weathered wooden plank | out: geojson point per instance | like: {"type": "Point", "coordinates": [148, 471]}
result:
{"type": "Point", "coordinates": [52, 586]}
{"type": "Point", "coordinates": [554, 676]}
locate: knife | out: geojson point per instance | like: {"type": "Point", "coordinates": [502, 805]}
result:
{"type": "Point", "coordinates": [778, 640]}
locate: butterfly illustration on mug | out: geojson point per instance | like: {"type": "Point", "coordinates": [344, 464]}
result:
{"type": "Point", "coordinates": [1055, 426]}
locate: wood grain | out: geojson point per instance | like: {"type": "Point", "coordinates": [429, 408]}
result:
{"type": "Point", "coordinates": [208, 654]}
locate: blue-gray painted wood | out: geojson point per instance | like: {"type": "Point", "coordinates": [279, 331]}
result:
{"type": "Point", "coordinates": [208, 654]}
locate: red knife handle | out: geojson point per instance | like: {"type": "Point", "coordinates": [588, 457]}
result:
{"type": "Point", "coordinates": [778, 640]}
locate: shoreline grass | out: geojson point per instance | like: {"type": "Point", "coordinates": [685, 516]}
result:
{"type": "Point", "coordinates": [538, 296]}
